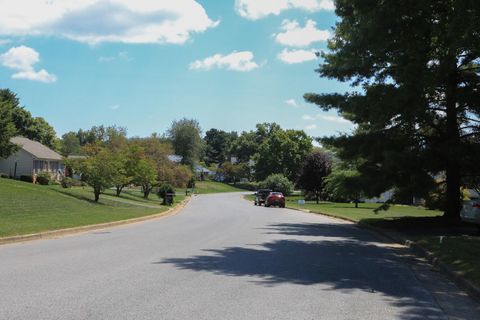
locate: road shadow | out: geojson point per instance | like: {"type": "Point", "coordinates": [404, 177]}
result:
{"type": "Point", "coordinates": [343, 260]}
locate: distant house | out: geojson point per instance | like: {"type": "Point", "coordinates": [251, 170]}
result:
{"type": "Point", "coordinates": [175, 158]}
{"type": "Point", "coordinates": [31, 159]}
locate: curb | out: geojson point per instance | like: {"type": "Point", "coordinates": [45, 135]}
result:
{"type": "Point", "coordinates": [76, 230]}
{"type": "Point", "coordinates": [419, 250]}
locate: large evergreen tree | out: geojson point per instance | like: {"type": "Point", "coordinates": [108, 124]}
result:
{"type": "Point", "coordinates": [417, 108]}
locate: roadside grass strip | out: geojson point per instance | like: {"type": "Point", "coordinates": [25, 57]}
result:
{"type": "Point", "coordinates": [26, 208]}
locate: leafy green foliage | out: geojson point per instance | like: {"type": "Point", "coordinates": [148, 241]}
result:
{"type": "Point", "coordinates": [316, 167]}
{"type": "Point", "coordinates": [218, 145]}
{"type": "Point", "coordinates": [44, 178]}
{"type": "Point", "coordinates": [344, 185]}
{"type": "Point", "coordinates": [7, 130]}
{"type": "Point", "coordinates": [185, 137]}
{"type": "Point", "coordinates": [417, 113]}
{"type": "Point", "coordinates": [281, 151]}
{"type": "Point", "coordinates": [278, 183]}
{"type": "Point", "coordinates": [70, 145]}
{"type": "Point", "coordinates": [234, 172]}
{"type": "Point", "coordinates": [145, 175]}
{"type": "Point", "coordinates": [15, 120]}
{"type": "Point", "coordinates": [163, 190]}
{"type": "Point", "coordinates": [99, 170]}
{"type": "Point", "coordinates": [245, 146]}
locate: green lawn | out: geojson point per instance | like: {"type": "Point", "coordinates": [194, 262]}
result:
{"type": "Point", "coordinates": [135, 194]}
{"type": "Point", "coordinates": [461, 253]}
{"type": "Point", "coordinates": [27, 208]}
{"type": "Point", "coordinates": [364, 212]}
{"type": "Point", "coordinates": [205, 187]}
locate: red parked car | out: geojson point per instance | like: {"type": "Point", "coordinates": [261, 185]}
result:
{"type": "Point", "coordinates": [275, 199]}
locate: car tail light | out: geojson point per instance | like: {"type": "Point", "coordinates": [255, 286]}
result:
{"type": "Point", "coordinates": [476, 205]}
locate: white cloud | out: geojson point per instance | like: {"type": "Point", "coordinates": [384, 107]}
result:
{"type": "Point", "coordinates": [235, 61]}
{"type": "Point", "coordinates": [311, 127]}
{"type": "Point", "coordinates": [97, 21]}
{"type": "Point", "coordinates": [293, 103]}
{"type": "Point", "coordinates": [331, 118]}
{"type": "Point", "coordinates": [22, 59]}
{"type": "Point", "coordinates": [294, 35]}
{"type": "Point", "coordinates": [122, 55]}
{"type": "Point", "coordinates": [4, 41]}
{"type": "Point", "coordinates": [296, 56]}
{"type": "Point", "coordinates": [114, 107]}
{"type": "Point", "coordinates": [256, 9]}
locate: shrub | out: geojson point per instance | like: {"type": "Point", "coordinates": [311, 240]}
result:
{"type": "Point", "coordinates": [251, 186]}
{"type": "Point", "coordinates": [162, 191]}
{"type": "Point", "coordinates": [4, 175]}
{"type": "Point", "coordinates": [26, 178]}
{"type": "Point", "coordinates": [68, 182]}
{"type": "Point", "coordinates": [44, 178]}
{"type": "Point", "coordinates": [191, 183]}
{"type": "Point", "coordinates": [278, 183]}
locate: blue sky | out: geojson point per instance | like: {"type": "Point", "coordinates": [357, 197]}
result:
{"type": "Point", "coordinates": [92, 62]}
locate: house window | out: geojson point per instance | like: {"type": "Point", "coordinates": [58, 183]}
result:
{"type": "Point", "coordinates": [54, 166]}
{"type": "Point", "coordinates": [38, 165]}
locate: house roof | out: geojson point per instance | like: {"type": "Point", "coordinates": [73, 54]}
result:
{"type": "Point", "coordinates": [36, 149]}
{"type": "Point", "coordinates": [175, 158]}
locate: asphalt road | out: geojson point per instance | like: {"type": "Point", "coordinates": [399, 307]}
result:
{"type": "Point", "coordinates": [221, 258]}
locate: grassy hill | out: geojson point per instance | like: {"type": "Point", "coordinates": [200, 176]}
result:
{"type": "Point", "coordinates": [26, 208]}
{"type": "Point", "coordinates": [205, 187]}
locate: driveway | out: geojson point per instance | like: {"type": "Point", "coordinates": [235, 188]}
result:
{"type": "Point", "coordinates": [221, 258]}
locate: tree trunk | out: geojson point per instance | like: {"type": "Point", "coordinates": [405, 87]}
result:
{"type": "Point", "coordinates": [119, 190]}
{"type": "Point", "coordinates": [146, 191]}
{"type": "Point", "coordinates": [452, 143]}
{"type": "Point", "coordinates": [356, 200]}
{"type": "Point", "coordinates": [317, 197]}
{"type": "Point", "coordinates": [96, 192]}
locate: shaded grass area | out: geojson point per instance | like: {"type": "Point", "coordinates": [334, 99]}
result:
{"type": "Point", "coordinates": [135, 194]}
{"type": "Point", "coordinates": [461, 253]}
{"type": "Point", "coordinates": [26, 208]}
{"type": "Point", "coordinates": [460, 247]}
{"type": "Point", "coordinates": [206, 187]}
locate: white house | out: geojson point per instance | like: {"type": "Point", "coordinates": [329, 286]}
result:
{"type": "Point", "coordinates": [31, 159]}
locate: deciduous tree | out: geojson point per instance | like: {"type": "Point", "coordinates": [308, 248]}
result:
{"type": "Point", "coordinates": [316, 167]}
{"type": "Point", "coordinates": [186, 140]}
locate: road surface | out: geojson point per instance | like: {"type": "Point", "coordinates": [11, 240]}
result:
{"type": "Point", "coordinates": [221, 258]}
